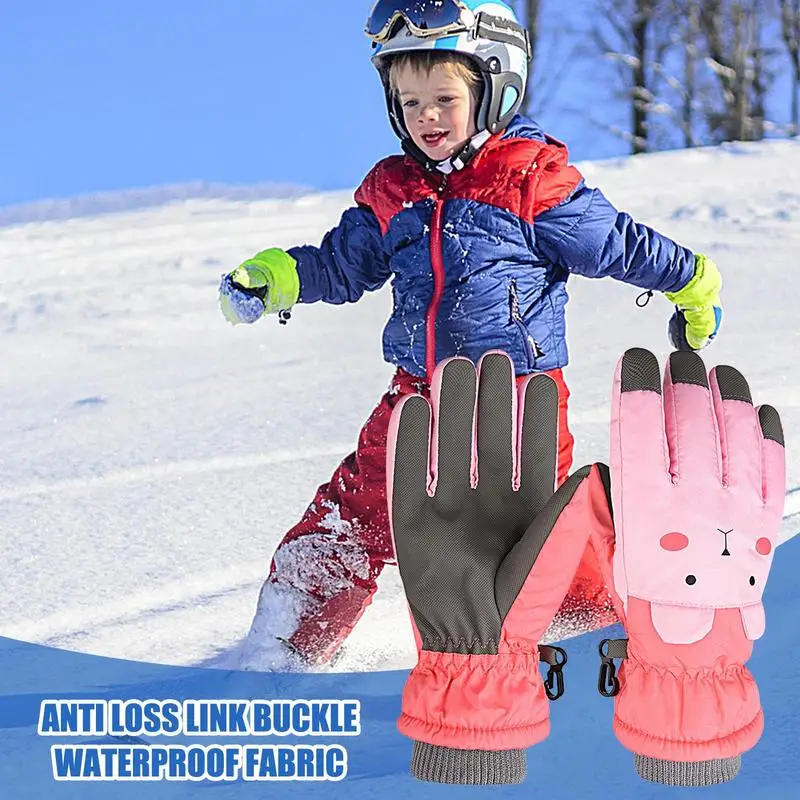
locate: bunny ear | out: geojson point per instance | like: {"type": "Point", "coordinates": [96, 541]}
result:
{"type": "Point", "coordinates": [754, 621]}
{"type": "Point", "coordinates": [679, 624]}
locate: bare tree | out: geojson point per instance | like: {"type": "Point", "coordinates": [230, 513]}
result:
{"type": "Point", "coordinates": [790, 32]}
{"type": "Point", "coordinates": [687, 14]}
{"type": "Point", "coordinates": [555, 45]}
{"type": "Point", "coordinates": [672, 86]}
{"type": "Point", "coordinates": [733, 32]}
{"type": "Point", "coordinates": [643, 11]}
{"type": "Point", "coordinates": [628, 32]}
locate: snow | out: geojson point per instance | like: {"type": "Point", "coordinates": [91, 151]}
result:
{"type": "Point", "coordinates": [153, 455]}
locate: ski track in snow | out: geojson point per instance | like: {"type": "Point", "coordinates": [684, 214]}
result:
{"type": "Point", "coordinates": [123, 314]}
{"type": "Point", "coordinates": [173, 469]}
{"type": "Point", "coordinates": [59, 629]}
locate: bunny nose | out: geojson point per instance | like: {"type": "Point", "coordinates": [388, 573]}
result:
{"type": "Point", "coordinates": [725, 551]}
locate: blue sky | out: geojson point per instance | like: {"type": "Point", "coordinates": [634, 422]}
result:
{"type": "Point", "coordinates": [111, 94]}
{"type": "Point", "coordinates": [106, 95]}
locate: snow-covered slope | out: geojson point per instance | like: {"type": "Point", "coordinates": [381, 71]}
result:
{"type": "Point", "coordinates": [153, 455]}
{"type": "Point", "coordinates": [89, 205]}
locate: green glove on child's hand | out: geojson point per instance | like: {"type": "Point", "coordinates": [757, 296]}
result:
{"type": "Point", "coordinates": [265, 284]}
{"type": "Point", "coordinates": [699, 310]}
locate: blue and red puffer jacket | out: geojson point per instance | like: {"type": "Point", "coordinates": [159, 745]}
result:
{"type": "Point", "coordinates": [479, 258]}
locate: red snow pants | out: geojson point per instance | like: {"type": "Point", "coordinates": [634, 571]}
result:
{"type": "Point", "coordinates": [340, 546]}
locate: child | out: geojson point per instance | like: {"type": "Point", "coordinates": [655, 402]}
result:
{"type": "Point", "coordinates": [478, 225]}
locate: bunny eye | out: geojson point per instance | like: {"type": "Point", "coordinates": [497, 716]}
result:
{"type": "Point", "coordinates": [763, 546]}
{"type": "Point", "coordinates": [674, 541]}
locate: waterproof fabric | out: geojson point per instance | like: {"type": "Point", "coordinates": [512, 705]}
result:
{"type": "Point", "coordinates": [479, 259]}
{"type": "Point", "coordinates": [486, 553]}
{"type": "Point", "coordinates": [698, 482]}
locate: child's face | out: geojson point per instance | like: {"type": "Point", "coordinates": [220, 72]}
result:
{"type": "Point", "coordinates": [439, 110]}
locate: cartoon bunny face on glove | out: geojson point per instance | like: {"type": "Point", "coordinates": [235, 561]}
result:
{"type": "Point", "coordinates": [710, 485]}
{"type": "Point", "coordinates": [715, 582]}
{"type": "Point", "coordinates": [688, 572]}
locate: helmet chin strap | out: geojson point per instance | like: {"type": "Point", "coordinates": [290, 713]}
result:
{"type": "Point", "coordinates": [453, 163]}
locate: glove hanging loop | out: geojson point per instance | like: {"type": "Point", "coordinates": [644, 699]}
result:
{"type": "Point", "coordinates": [609, 649]}
{"type": "Point", "coordinates": [555, 658]}
{"type": "Point", "coordinates": [646, 295]}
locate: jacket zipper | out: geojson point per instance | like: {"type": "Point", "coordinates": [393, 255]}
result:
{"type": "Point", "coordinates": [437, 264]}
{"type": "Point", "coordinates": [533, 352]}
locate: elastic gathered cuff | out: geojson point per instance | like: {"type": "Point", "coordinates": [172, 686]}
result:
{"type": "Point", "coordinates": [430, 762]}
{"type": "Point", "coordinates": [703, 288]}
{"type": "Point", "coordinates": [687, 773]}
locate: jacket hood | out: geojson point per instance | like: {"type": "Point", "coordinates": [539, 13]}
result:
{"type": "Point", "coordinates": [522, 127]}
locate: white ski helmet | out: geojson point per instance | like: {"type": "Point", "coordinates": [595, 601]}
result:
{"type": "Point", "coordinates": [487, 31]}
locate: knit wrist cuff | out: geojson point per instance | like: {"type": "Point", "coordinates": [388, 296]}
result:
{"type": "Point", "coordinates": [687, 773]}
{"type": "Point", "coordinates": [430, 762]}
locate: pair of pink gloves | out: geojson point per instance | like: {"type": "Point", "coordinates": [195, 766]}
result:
{"type": "Point", "coordinates": [683, 528]}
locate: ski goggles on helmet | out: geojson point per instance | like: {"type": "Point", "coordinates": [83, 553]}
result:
{"type": "Point", "coordinates": [422, 17]}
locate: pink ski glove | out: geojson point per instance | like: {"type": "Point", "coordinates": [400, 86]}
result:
{"type": "Point", "coordinates": [486, 553]}
{"type": "Point", "coordinates": [698, 482]}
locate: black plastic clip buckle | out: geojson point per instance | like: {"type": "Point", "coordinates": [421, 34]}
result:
{"type": "Point", "coordinates": [556, 658]}
{"type": "Point", "coordinates": [607, 682]}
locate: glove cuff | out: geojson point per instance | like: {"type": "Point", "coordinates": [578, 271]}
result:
{"type": "Point", "coordinates": [687, 773]}
{"type": "Point", "coordinates": [430, 762]}
{"type": "Point", "coordinates": [703, 289]}
{"type": "Point", "coordinates": [475, 702]}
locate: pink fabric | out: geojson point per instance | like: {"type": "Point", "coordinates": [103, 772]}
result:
{"type": "Point", "coordinates": [496, 702]}
{"type": "Point", "coordinates": [553, 573]}
{"type": "Point", "coordinates": [698, 496]}
{"type": "Point", "coordinates": [688, 702]}
{"type": "Point", "coordinates": [481, 702]}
